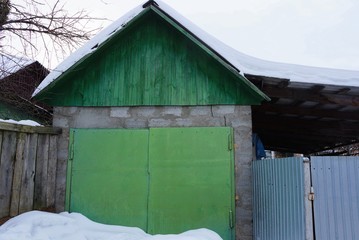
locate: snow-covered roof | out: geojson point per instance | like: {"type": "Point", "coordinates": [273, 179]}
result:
{"type": "Point", "coordinates": [11, 64]}
{"type": "Point", "coordinates": [244, 63]}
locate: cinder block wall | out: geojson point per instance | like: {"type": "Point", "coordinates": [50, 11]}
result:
{"type": "Point", "coordinates": [237, 117]}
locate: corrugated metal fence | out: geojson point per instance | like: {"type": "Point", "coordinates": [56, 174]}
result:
{"type": "Point", "coordinates": [278, 199]}
{"type": "Point", "coordinates": [336, 205]}
{"type": "Point", "coordinates": [28, 158]}
{"type": "Point", "coordinates": [282, 199]}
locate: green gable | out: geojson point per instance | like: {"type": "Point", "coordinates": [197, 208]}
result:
{"type": "Point", "coordinates": [151, 61]}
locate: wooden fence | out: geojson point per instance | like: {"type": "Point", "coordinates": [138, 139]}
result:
{"type": "Point", "coordinates": [28, 159]}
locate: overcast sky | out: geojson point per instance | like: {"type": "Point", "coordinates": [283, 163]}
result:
{"type": "Point", "coordinates": [323, 33]}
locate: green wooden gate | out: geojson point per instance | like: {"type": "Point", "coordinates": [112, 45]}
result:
{"type": "Point", "coordinates": [163, 180]}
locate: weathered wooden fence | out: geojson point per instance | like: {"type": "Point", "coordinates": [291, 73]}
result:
{"type": "Point", "coordinates": [28, 158]}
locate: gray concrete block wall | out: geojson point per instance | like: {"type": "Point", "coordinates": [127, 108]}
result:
{"type": "Point", "coordinates": [237, 117]}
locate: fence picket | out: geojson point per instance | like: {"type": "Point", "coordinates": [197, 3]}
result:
{"type": "Point", "coordinates": [51, 172]}
{"type": "Point", "coordinates": [27, 181]}
{"type": "Point", "coordinates": [28, 163]}
{"type": "Point", "coordinates": [18, 170]}
{"type": "Point", "coordinates": [6, 171]}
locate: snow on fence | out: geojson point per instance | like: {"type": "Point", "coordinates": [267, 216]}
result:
{"type": "Point", "coordinates": [28, 158]}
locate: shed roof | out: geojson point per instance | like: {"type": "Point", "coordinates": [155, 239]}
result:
{"type": "Point", "coordinates": [306, 117]}
{"type": "Point", "coordinates": [11, 64]}
{"type": "Point", "coordinates": [179, 22]}
{"type": "Point", "coordinates": [241, 62]}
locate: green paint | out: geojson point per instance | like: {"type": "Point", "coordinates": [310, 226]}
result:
{"type": "Point", "coordinates": [108, 176]}
{"type": "Point", "coordinates": [151, 62]}
{"type": "Point", "coordinates": [191, 183]}
{"type": "Point", "coordinates": [166, 180]}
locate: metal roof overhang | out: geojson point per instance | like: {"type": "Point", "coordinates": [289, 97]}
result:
{"type": "Point", "coordinates": [305, 117]}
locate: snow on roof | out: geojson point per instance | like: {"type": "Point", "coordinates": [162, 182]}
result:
{"type": "Point", "coordinates": [11, 64]}
{"type": "Point", "coordinates": [36, 225]}
{"type": "Point", "coordinates": [244, 63]}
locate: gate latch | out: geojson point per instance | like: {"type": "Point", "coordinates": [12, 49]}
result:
{"type": "Point", "coordinates": [311, 194]}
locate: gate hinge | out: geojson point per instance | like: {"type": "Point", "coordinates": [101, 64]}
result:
{"type": "Point", "coordinates": [311, 194]}
{"type": "Point", "coordinates": [231, 219]}
{"type": "Point", "coordinates": [230, 142]}
{"type": "Point", "coordinates": [71, 153]}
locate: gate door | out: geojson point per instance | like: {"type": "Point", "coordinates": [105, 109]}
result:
{"type": "Point", "coordinates": [191, 180]}
{"type": "Point", "coordinates": [165, 180]}
{"type": "Point", "coordinates": [108, 179]}
{"type": "Point", "coordinates": [336, 204]}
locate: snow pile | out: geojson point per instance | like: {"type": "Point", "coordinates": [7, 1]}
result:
{"type": "Point", "coordinates": [22, 122]}
{"type": "Point", "coordinates": [38, 225]}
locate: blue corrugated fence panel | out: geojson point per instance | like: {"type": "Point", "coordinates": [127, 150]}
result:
{"type": "Point", "coordinates": [336, 205]}
{"type": "Point", "coordinates": [278, 199]}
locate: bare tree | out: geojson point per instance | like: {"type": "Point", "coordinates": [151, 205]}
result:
{"type": "Point", "coordinates": [34, 26]}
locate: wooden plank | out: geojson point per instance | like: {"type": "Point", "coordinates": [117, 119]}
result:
{"type": "Point", "coordinates": [29, 129]}
{"type": "Point", "coordinates": [7, 159]}
{"type": "Point", "coordinates": [41, 172]}
{"type": "Point", "coordinates": [27, 181]}
{"type": "Point", "coordinates": [18, 169]}
{"type": "Point", "coordinates": [51, 172]}
{"type": "Point", "coordinates": [1, 133]}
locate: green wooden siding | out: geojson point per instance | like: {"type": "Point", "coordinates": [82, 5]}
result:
{"type": "Point", "coordinates": [150, 62]}
{"type": "Point", "coordinates": [166, 180]}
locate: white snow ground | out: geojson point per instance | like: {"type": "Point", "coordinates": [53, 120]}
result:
{"type": "Point", "coordinates": [36, 225]}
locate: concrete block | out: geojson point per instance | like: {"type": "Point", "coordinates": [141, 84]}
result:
{"type": "Point", "coordinates": [171, 111]}
{"type": "Point", "coordinates": [223, 110]}
{"type": "Point", "coordinates": [244, 214]}
{"type": "Point", "coordinates": [180, 122]}
{"type": "Point", "coordinates": [244, 230]}
{"type": "Point", "coordinates": [200, 111]}
{"type": "Point", "coordinates": [244, 194]}
{"type": "Point", "coordinates": [159, 122]}
{"type": "Point", "coordinates": [236, 122]}
{"type": "Point", "coordinates": [67, 111]}
{"type": "Point", "coordinates": [120, 112]}
{"type": "Point", "coordinates": [135, 123]}
{"type": "Point", "coordinates": [143, 111]}
{"type": "Point", "coordinates": [244, 175]}
{"type": "Point", "coordinates": [60, 121]}
{"type": "Point", "coordinates": [93, 118]}
{"type": "Point", "coordinates": [243, 157]}
{"type": "Point", "coordinates": [215, 122]}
